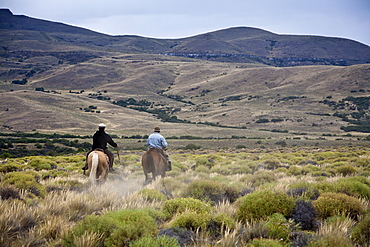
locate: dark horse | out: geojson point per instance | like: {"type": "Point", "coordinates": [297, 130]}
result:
{"type": "Point", "coordinates": [98, 167]}
{"type": "Point", "coordinates": [153, 162]}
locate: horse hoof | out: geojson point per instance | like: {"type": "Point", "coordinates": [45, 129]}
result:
{"type": "Point", "coordinates": [148, 181]}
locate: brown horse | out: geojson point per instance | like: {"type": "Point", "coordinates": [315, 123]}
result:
{"type": "Point", "coordinates": [153, 162]}
{"type": "Point", "coordinates": [98, 167]}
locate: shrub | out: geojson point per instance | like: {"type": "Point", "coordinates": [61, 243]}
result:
{"type": "Point", "coordinates": [9, 168]}
{"type": "Point", "coordinates": [265, 243]}
{"type": "Point", "coordinates": [295, 170]}
{"type": "Point", "coordinates": [224, 170]}
{"type": "Point", "coordinates": [159, 241]}
{"type": "Point", "coordinates": [39, 163]}
{"type": "Point", "coordinates": [261, 177]}
{"type": "Point", "coordinates": [9, 192]}
{"type": "Point", "coordinates": [192, 146]}
{"type": "Point", "coordinates": [191, 220]}
{"type": "Point", "coordinates": [304, 193]}
{"type": "Point", "coordinates": [152, 195]}
{"type": "Point", "coordinates": [204, 161]}
{"type": "Point", "coordinates": [331, 240]}
{"type": "Point", "coordinates": [346, 170]}
{"type": "Point", "coordinates": [361, 232]}
{"type": "Point", "coordinates": [353, 187]}
{"type": "Point", "coordinates": [118, 228]}
{"type": "Point", "coordinates": [336, 204]}
{"type": "Point", "coordinates": [261, 204]}
{"type": "Point", "coordinates": [304, 214]}
{"type": "Point", "coordinates": [184, 237]}
{"type": "Point", "coordinates": [220, 221]}
{"type": "Point", "coordinates": [212, 223]}
{"type": "Point", "coordinates": [241, 169]}
{"type": "Point", "coordinates": [202, 169]}
{"type": "Point", "coordinates": [278, 227]}
{"type": "Point", "coordinates": [206, 190]}
{"type": "Point", "coordinates": [26, 181]}
{"type": "Point", "coordinates": [180, 205]}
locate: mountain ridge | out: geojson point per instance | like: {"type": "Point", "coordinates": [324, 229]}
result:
{"type": "Point", "coordinates": [236, 44]}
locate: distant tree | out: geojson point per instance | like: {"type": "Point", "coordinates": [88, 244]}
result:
{"type": "Point", "coordinates": [20, 82]}
{"type": "Point", "coordinates": [262, 120]}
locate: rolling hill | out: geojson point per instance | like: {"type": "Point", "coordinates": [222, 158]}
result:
{"type": "Point", "coordinates": [234, 82]}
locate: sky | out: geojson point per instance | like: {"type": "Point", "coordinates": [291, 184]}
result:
{"type": "Point", "coordinates": [184, 18]}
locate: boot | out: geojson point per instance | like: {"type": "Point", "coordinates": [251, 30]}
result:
{"type": "Point", "coordinates": [86, 167]}
{"type": "Point", "coordinates": [111, 169]}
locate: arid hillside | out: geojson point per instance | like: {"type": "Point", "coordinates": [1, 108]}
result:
{"type": "Point", "coordinates": [59, 78]}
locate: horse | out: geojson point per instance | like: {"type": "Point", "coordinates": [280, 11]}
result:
{"type": "Point", "coordinates": [98, 167]}
{"type": "Point", "coordinates": [153, 162]}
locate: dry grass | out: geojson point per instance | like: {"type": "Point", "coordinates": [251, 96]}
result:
{"type": "Point", "coordinates": [46, 221]}
{"type": "Point", "coordinates": [28, 109]}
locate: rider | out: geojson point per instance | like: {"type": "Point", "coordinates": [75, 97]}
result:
{"type": "Point", "coordinates": [158, 142]}
{"type": "Point", "coordinates": [100, 140]}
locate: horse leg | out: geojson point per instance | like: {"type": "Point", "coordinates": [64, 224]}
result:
{"type": "Point", "coordinates": [154, 173]}
{"type": "Point", "coordinates": [146, 175]}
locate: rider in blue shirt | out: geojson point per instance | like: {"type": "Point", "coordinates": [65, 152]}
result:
{"type": "Point", "coordinates": [158, 142]}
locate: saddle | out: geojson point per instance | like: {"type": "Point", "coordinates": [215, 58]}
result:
{"type": "Point", "coordinates": [102, 150]}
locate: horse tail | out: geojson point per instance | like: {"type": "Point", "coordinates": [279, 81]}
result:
{"type": "Point", "coordinates": [94, 168]}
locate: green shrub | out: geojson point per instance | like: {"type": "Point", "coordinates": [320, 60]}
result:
{"type": "Point", "coordinates": [152, 195]}
{"type": "Point", "coordinates": [346, 170]}
{"type": "Point", "coordinates": [161, 241]}
{"type": "Point", "coordinates": [304, 192]}
{"type": "Point", "coordinates": [10, 168]}
{"type": "Point", "coordinates": [271, 164]}
{"type": "Point", "coordinates": [223, 170]}
{"type": "Point", "coordinates": [39, 163]}
{"type": "Point", "coordinates": [241, 169]}
{"type": "Point", "coordinates": [336, 204]}
{"type": "Point", "coordinates": [361, 232]}
{"type": "Point", "coordinates": [191, 220]}
{"type": "Point", "coordinates": [219, 222]}
{"type": "Point", "coordinates": [265, 243]}
{"type": "Point", "coordinates": [206, 190]}
{"type": "Point", "coordinates": [118, 228]}
{"type": "Point", "coordinates": [204, 161]}
{"type": "Point", "coordinates": [278, 227]}
{"type": "Point", "coordinates": [202, 169]}
{"type": "Point", "coordinates": [261, 204]}
{"type": "Point", "coordinates": [261, 177]}
{"type": "Point", "coordinates": [295, 170]}
{"type": "Point", "coordinates": [180, 205]}
{"type": "Point", "coordinates": [350, 186]}
{"type": "Point", "coordinates": [331, 240]}
{"type": "Point", "coordinates": [355, 186]}
{"type": "Point", "coordinates": [26, 181]}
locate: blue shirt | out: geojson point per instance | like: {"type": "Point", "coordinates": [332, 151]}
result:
{"type": "Point", "coordinates": [156, 140]}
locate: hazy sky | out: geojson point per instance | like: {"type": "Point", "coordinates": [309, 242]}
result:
{"type": "Point", "coordinates": [184, 18]}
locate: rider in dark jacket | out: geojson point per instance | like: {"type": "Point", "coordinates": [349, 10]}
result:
{"type": "Point", "coordinates": [100, 141]}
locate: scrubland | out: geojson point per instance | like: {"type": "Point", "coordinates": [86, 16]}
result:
{"type": "Point", "coordinates": [235, 197]}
